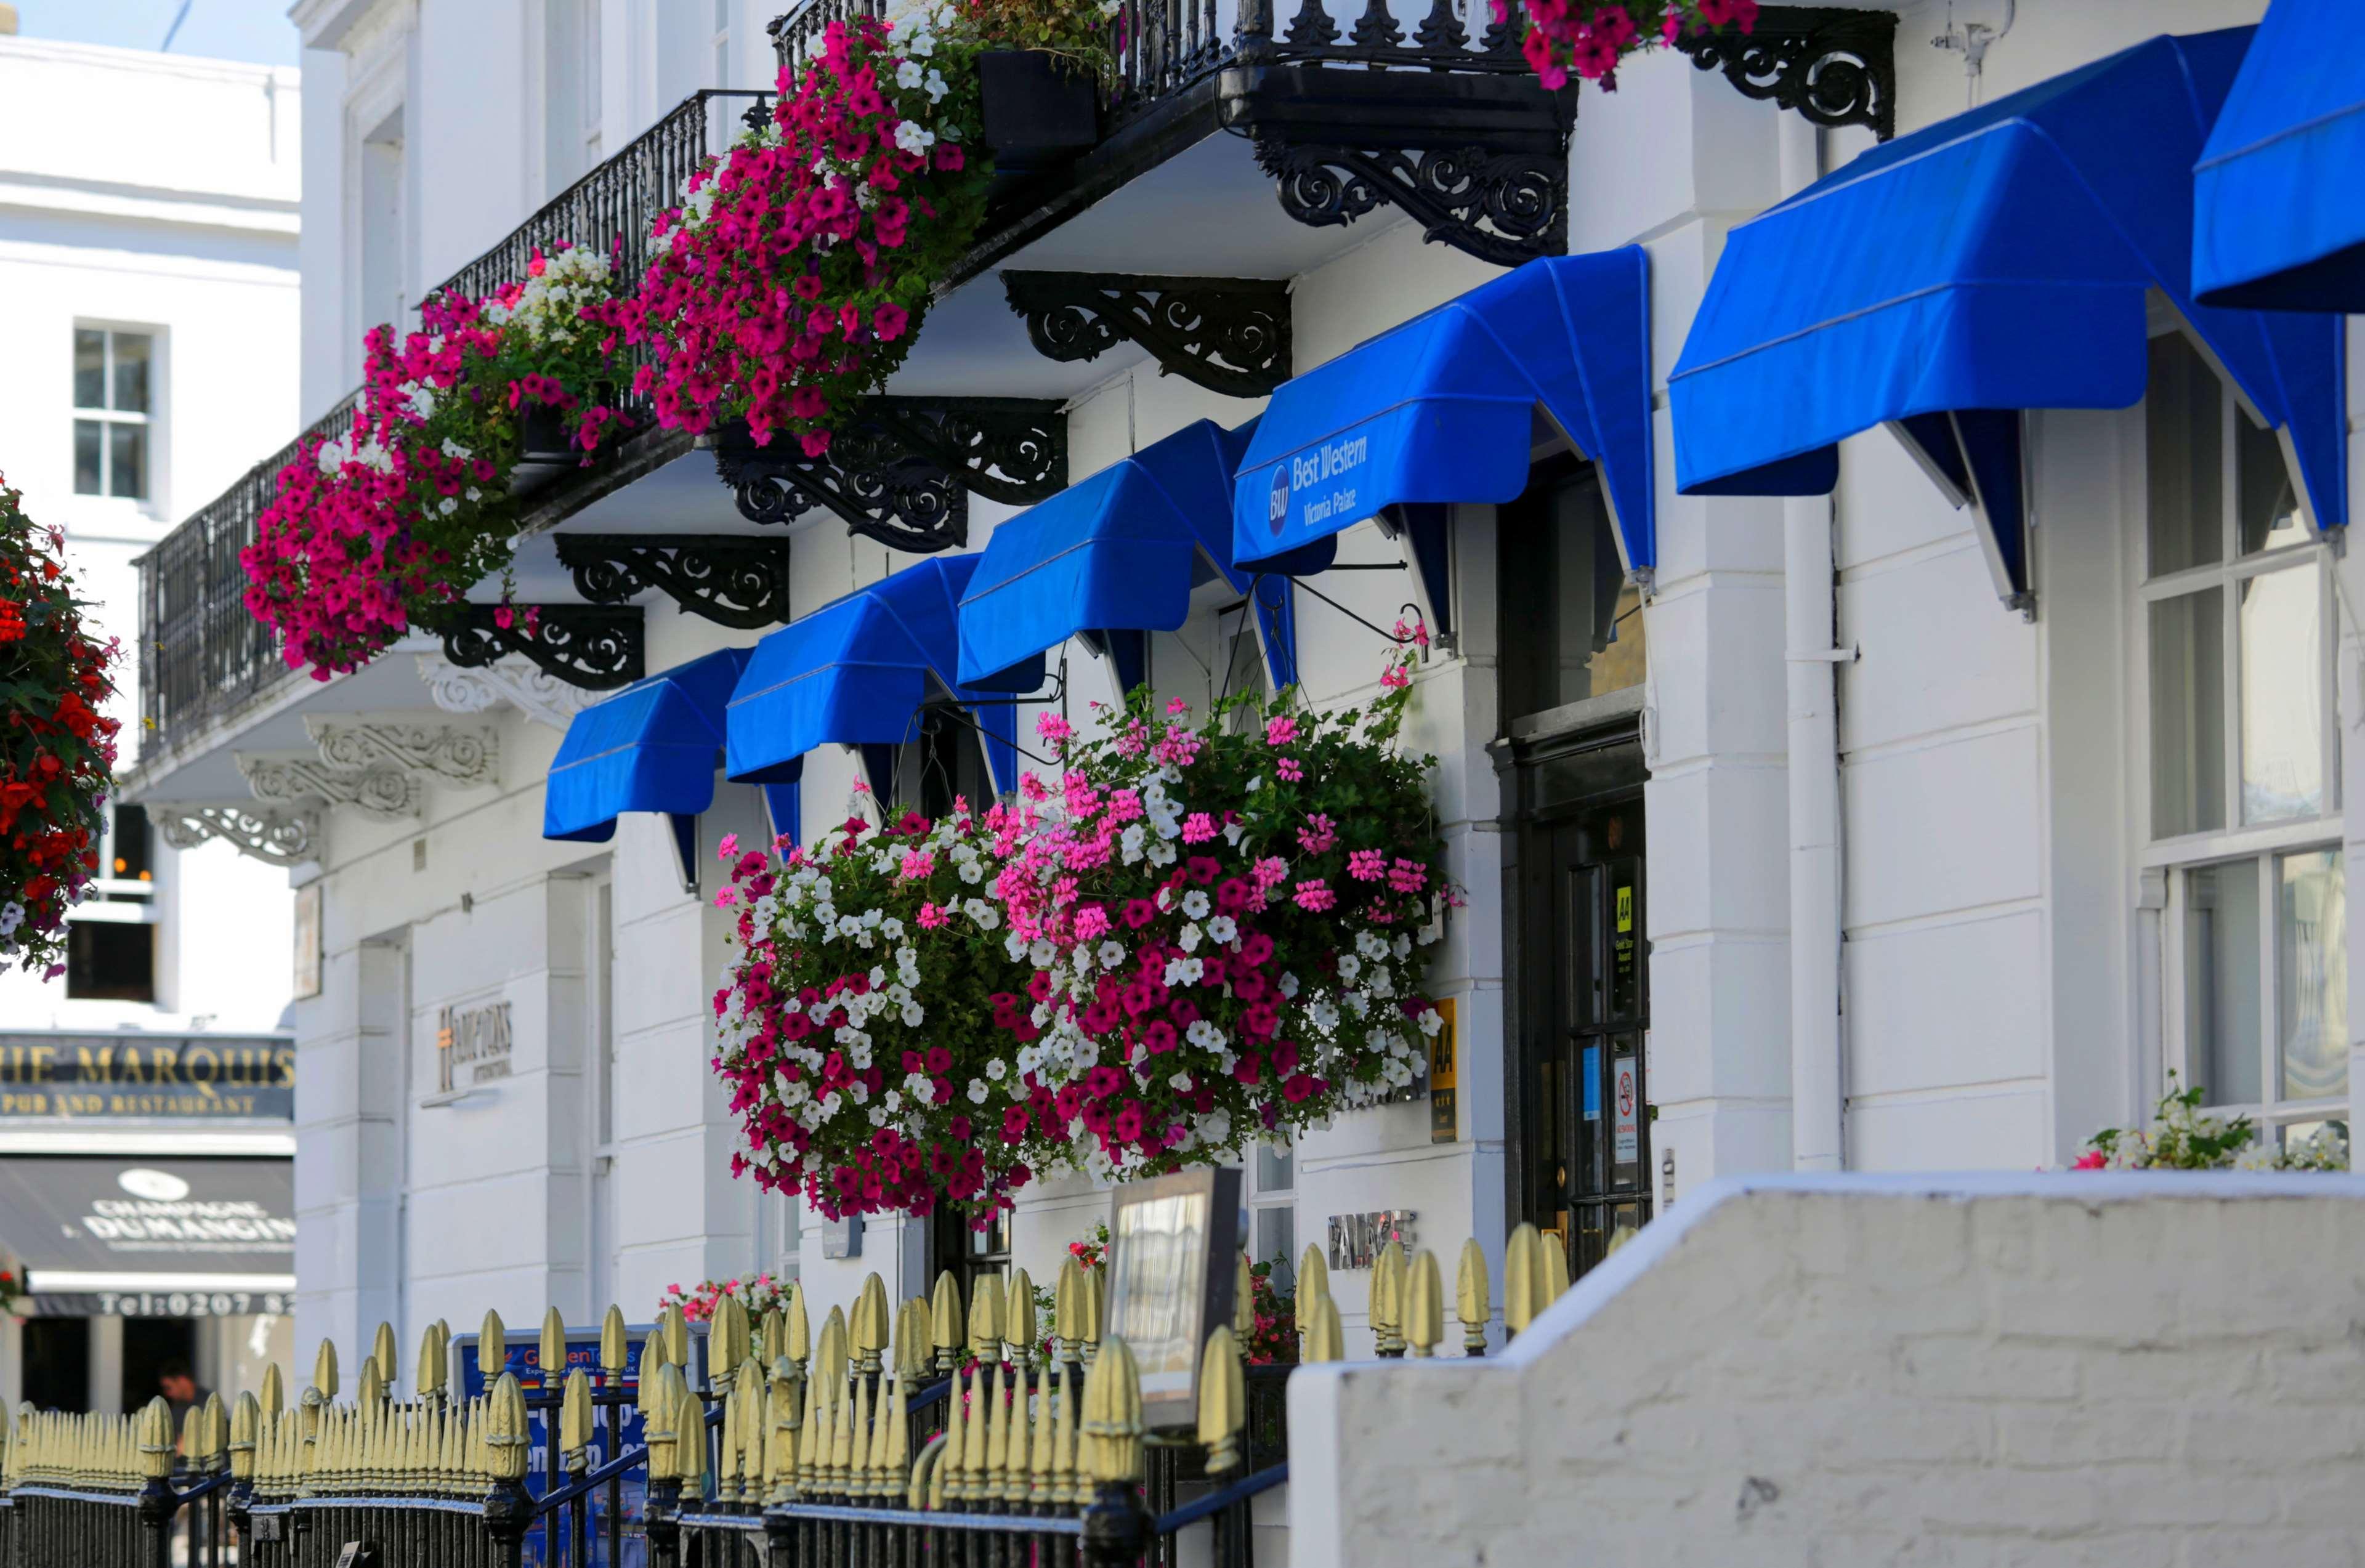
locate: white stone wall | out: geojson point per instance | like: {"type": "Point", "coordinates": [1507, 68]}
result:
{"type": "Point", "coordinates": [1854, 1370]}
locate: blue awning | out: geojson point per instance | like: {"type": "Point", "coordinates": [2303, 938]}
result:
{"type": "Point", "coordinates": [651, 748]}
{"type": "Point", "coordinates": [1115, 555]}
{"type": "Point", "coordinates": [856, 672]}
{"type": "Point", "coordinates": [1449, 407]}
{"type": "Point", "coordinates": [2278, 193]}
{"type": "Point", "coordinates": [1997, 262]}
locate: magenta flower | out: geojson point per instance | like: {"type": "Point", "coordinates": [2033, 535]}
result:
{"type": "Point", "coordinates": [1280, 731]}
{"type": "Point", "coordinates": [1319, 834]}
{"type": "Point", "coordinates": [1315, 896]}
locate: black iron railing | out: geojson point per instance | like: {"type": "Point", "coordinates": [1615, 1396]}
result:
{"type": "Point", "coordinates": [202, 655]}
{"type": "Point", "coordinates": [1168, 46]}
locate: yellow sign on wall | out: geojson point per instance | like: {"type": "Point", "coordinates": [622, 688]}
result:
{"type": "Point", "coordinates": [1444, 1122]}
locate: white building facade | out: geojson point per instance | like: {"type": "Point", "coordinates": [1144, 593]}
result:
{"type": "Point", "coordinates": [151, 330]}
{"type": "Point", "coordinates": [1799, 849]}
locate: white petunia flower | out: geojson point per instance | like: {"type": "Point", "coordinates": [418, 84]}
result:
{"type": "Point", "coordinates": [1195, 903]}
{"type": "Point", "coordinates": [911, 73]}
{"type": "Point", "coordinates": [1222, 930]}
{"type": "Point", "coordinates": [1350, 966]}
{"type": "Point", "coordinates": [1189, 938]}
{"type": "Point", "coordinates": [976, 1092]}
{"type": "Point", "coordinates": [1112, 953]}
{"type": "Point", "coordinates": [912, 137]}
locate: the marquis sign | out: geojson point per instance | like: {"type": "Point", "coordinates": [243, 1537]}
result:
{"type": "Point", "coordinates": [64, 1078]}
{"type": "Point", "coordinates": [472, 1045]}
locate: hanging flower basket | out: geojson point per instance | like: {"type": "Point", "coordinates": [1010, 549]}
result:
{"type": "Point", "coordinates": [383, 527]}
{"type": "Point", "coordinates": [56, 749]}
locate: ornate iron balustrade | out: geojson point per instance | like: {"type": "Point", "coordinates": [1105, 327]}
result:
{"type": "Point", "coordinates": [201, 654]}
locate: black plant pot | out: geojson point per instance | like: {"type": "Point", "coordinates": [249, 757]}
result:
{"type": "Point", "coordinates": [1040, 109]}
{"type": "Point", "coordinates": [543, 452]}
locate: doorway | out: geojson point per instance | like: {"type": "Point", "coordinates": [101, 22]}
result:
{"type": "Point", "coordinates": [1584, 1098]}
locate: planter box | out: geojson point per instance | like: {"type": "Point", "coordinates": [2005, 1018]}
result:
{"type": "Point", "coordinates": [1040, 109]}
{"type": "Point", "coordinates": [543, 452]}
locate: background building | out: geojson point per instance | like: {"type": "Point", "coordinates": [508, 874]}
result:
{"type": "Point", "coordinates": [149, 211]}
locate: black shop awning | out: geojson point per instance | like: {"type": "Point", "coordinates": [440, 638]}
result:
{"type": "Point", "coordinates": [84, 1226]}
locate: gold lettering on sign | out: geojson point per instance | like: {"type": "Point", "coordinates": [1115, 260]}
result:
{"type": "Point", "coordinates": [472, 1045]}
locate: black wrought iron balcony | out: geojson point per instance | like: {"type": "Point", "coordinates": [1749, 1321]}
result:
{"type": "Point", "coordinates": [202, 656]}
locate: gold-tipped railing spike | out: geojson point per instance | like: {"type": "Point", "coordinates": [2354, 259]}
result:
{"type": "Point", "coordinates": [1325, 1340]}
{"type": "Point", "coordinates": [797, 1344]}
{"type": "Point", "coordinates": [1618, 1238]}
{"type": "Point", "coordinates": [1020, 1319]}
{"type": "Point", "coordinates": [813, 1436]}
{"type": "Point", "coordinates": [273, 1396]}
{"type": "Point", "coordinates": [676, 1324]}
{"type": "Point", "coordinates": [1223, 1400]}
{"type": "Point", "coordinates": [382, 1347]}
{"type": "Point", "coordinates": [913, 1355]}
{"type": "Point", "coordinates": [1423, 1293]}
{"type": "Point", "coordinates": [1470, 1303]}
{"type": "Point", "coordinates": [690, 1443]}
{"type": "Point", "coordinates": [896, 1457]}
{"type": "Point", "coordinates": [653, 1359]}
{"type": "Point", "coordinates": [155, 1440]}
{"type": "Point", "coordinates": [661, 1395]}
{"type": "Point", "coordinates": [506, 1433]}
{"type": "Point", "coordinates": [213, 1452]}
{"type": "Point", "coordinates": [830, 1358]}
{"type": "Point", "coordinates": [575, 1421]}
{"type": "Point", "coordinates": [492, 1348]}
{"type": "Point", "coordinates": [868, 1332]}
{"type": "Point", "coordinates": [1243, 1302]}
{"type": "Point", "coordinates": [324, 1370]}
{"type": "Point", "coordinates": [1523, 1268]}
{"type": "Point", "coordinates": [769, 1336]}
{"type": "Point", "coordinates": [1111, 1450]}
{"type": "Point", "coordinates": [783, 1408]}
{"type": "Point", "coordinates": [945, 1322]}
{"type": "Point", "coordinates": [841, 1425]}
{"type": "Point", "coordinates": [1313, 1286]}
{"type": "Point", "coordinates": [1555, 1269]}
{"type": "Point", "coordinates": [245, 1437]}
{"type": "Point", "coordinates": [427, 1373]}
{"type": "Point", "coordinates": [747, 1433]}
{"type": "Point", "coordinates": [370, 1387]}
{"type": "Point", "coordinates": [1387, 1300]}
{"type": "Point", "coordinates": [615, 1346]}
{"type": "Point", "coordinates": [551, 1352]}
{"type": "Point", "coordinates": [985, 1319]}
{"type": "Point", "coordinates": [1041, 1488]}
{"type": "Point", "coordinates": [1068, 1312]}
{"type": "Point", "coordinates": [1093, 1307]}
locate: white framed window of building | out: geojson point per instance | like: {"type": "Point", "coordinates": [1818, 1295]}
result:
{"type": "Point", "coordinates": [1272, 1198]}
{"type": "Point", "coordinates": [116, 396]}
{"type": "Point", "coordinates": [2241, 787]}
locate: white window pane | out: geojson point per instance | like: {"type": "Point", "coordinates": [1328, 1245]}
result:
{"type": "Point", "coordinates": [1276, 1237]}
{"type": "Point", "coordinates": [2283, 697]}
{"type": "Point", "coordinates": [127, 461]}
{"type": "Point", "coordinates": [90, 440]}
{"type": "Point", "coordinates": [2188, 713]}
{"type": "Point", "coordinates": [1273, 1174]}
{"type": "Point", "coordinates": [2220, 981]}
{"type": "Point", "coordinates": [2311, 975]}
{"type": "Point", "coordinates": [2184, 441]}
{"type": "Point", "coordinates": [90, 368]}
{"type": "Point", "coordinates": [2269, 506]}
{"type": "Point", "coordinates": [134, 352]}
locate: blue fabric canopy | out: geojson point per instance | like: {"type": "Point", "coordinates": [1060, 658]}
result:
{"type": "Point", "coordinates": [1995, 261]}
{"type": "Point", "coordinates": [1115, 555]}
{"type": "Point", "coordinates": [651, 748]}
{"type": "Point", "coordinates": [856, 671]}
{"type": "Point", "coordinates": [1443, 408]}
{"type": "Point", "coordinates": [2279, 194]}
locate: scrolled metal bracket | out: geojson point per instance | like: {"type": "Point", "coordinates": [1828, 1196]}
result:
{"type": "Point", "coordinates": [1504, 208]}
{"type": "Point", "coordinates": [902, 470]}
{"type": "Point", "coordinates": [1836, 67]}
{"type": "Point", "coordinates": [1230, 335]}
{"type": "Point", "coordinates": [274, 837]}
{"type": "Point", "coordinates": [598, 647]}
{"type": "Point", "coordinates": [727, 579]}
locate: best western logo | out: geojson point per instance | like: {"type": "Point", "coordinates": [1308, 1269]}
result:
{"type": "Point", "coordinates": [1318, 467]}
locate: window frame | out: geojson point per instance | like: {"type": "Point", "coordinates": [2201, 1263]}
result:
{"type": "Point", "coordinates": [2261, 847]}
{"type": "Point", "coordinates": [1258, 1199]}
{"type": "Point", "coordinates": [151, 419]}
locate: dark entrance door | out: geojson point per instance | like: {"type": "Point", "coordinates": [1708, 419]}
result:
{"type": "Point", "coordinates": [1584, 1120]}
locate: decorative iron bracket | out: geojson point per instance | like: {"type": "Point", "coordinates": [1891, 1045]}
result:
{"type": "Point", "coordinates": [274, 837]}
{"type": "Point", "coordinates": [532, 691]}
{"type": "Point", "coordinates": [383, 790]}
{"type": "Point", "coordinates": [901, 471]}
{"type": "Point", "coordinates": [726, 577]}
{"type": "Point", "coordinates": [1835, 67]}
{"type": "Point", "coordinates": [595, 646]}
{"type": "Point", "coordinates": [1229, 334]}
{"type": "Point", "coordinates": [1478, 157]}
{"type": "Point", "coordinates": [453, 754]}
